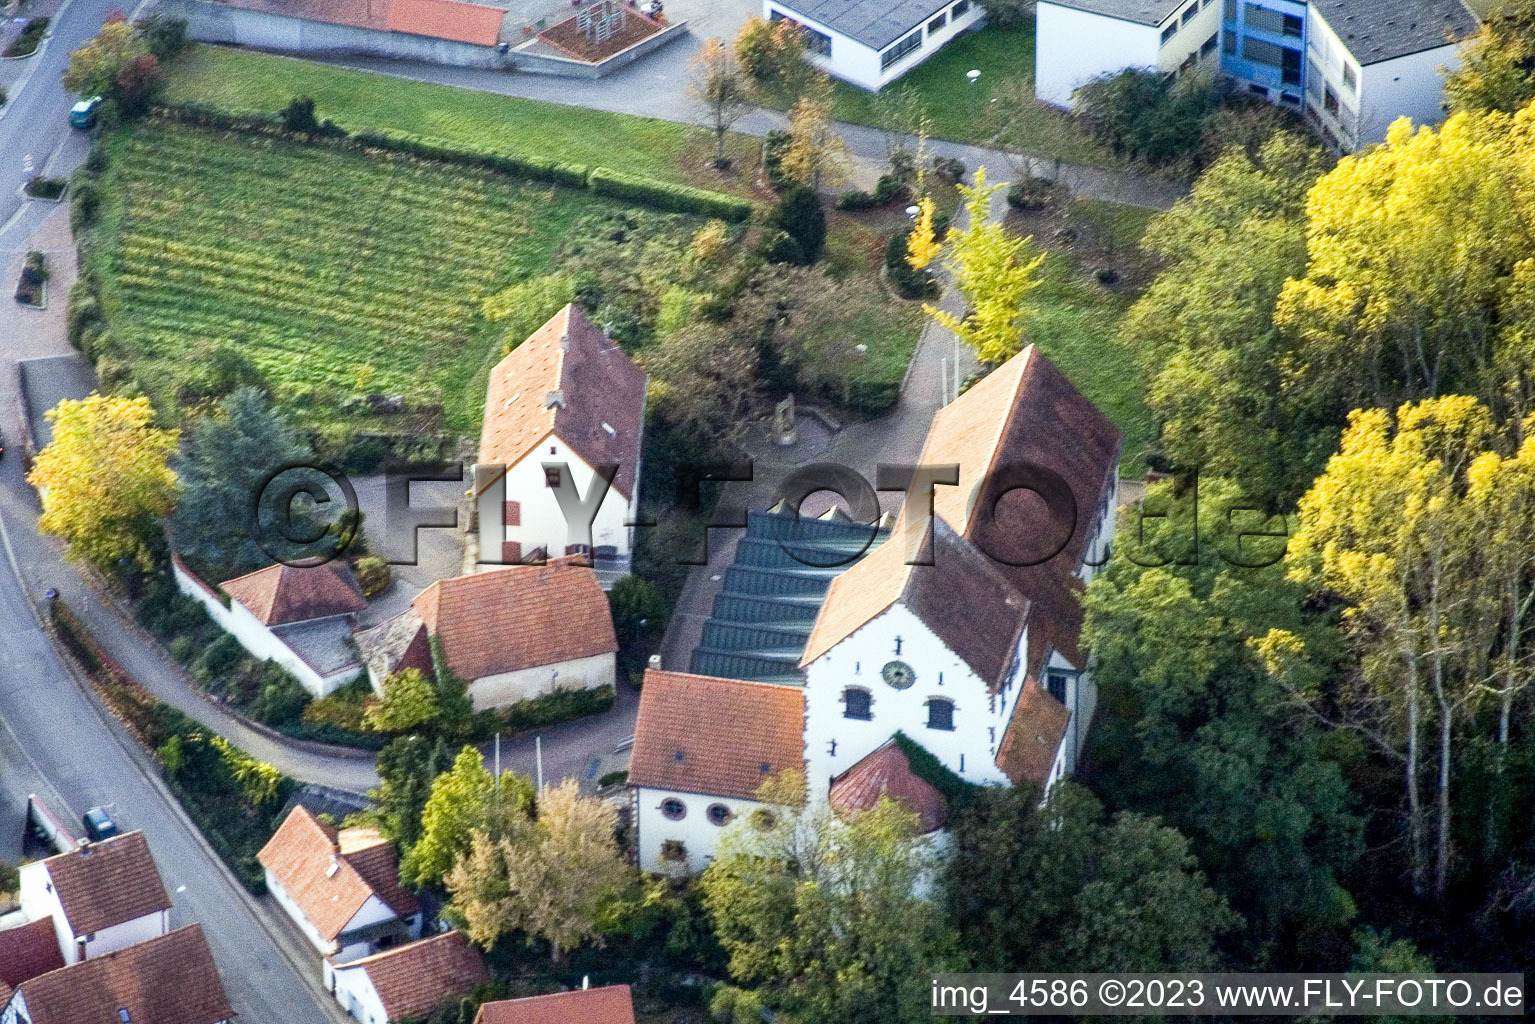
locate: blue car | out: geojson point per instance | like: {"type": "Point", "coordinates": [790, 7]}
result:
{"type": "Point", "coordinates": [83, 114]}
{"type": "Point", "coordinates": [99, 824]}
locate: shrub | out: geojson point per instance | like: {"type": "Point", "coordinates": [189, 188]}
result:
{"type": "Point", "coordinates": [774, 145]}
{"type": "Point", "coordinates": [85, 205]}
{"type": "Point", "coordinates": [666, 196]}
{"type": "Point", "coordinates": [799, 214]}
{"type": "Point", "coordinates": [886, 191]}
{"type": "Point", "coordinates": [559, 706]}
{"type": "Point", "coordinates": [342, 709]}
{"type": "Point", "coordinates": [217, 659]}
{"type": "Point", "coordinates": [31, 35]}
{"type": "Point", "coordinates": [1031, 193]}
{"type": "Point", "coordinates": [780, 247]}
{"type": "Point", "coordinates": [280, 699]}
{"type": "Point", "coordinates": [613, 779]}
{"type": "Point", "coordinates": [908, 282]}
{"type": "Point", "coordinates": [950, 169]}
{"type": "Point", "coordinates": [40, 187]}
{"type": "Point", "coordinates": [166, 36]}
{"type": "Point", "coordinates": [1141, 115]}
{"type": "Point", "coordinates": [373, 575]}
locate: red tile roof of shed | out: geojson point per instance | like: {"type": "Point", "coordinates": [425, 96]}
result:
{"type": "Point", "coordinates": [887, 772]}
{"type": "Point", "coordinates": [412, 979]}
{"type": "Point", "coordinates": [611, 1004]}
{"type": "Point", "coordinates": [280, 594]}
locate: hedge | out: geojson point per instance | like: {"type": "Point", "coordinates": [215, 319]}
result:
{"type": "Point", "coordinates": [666, 196]}
{"type": "Point", "coordinates": [552, 708]}
{"type": "Point", "coordinates": [601, 180]}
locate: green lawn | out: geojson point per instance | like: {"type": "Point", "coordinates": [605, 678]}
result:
{"type": "Point", "coordinates": [964, 112]}
{"type": "Point", "coordinates": [242, 81]}
{"type": "Point", "coordinates": [1077, 326]}
{"type": "Point", "coordinates": [336, 274]}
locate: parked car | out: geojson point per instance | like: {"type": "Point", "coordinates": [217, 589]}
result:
{"type": "Point", "coordinates": [83, 114]}
{"type": "Point", "coordinates": [99, 824]}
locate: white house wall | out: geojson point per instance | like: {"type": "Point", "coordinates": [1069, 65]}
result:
{"type": "Point", "coordinates": [968, 749]}
{"type": "Point", "coordinates": [324, 945]}
{"type": "Point", "coordinates": [354, 990]}
{"type": "Point", "coordinates": [699, 836]}
{"type": "Point", "coordinates": [859, 64]}
{"type": "Point", "coordinates": [1191, 36]}
{"type": "Point", "coordinates": [510, 687]}
{"type": "Point", "coordinates": [1074, 47]}
{"type": "Point", "coordinates": [1411, 86]}
{"type": "Point", "coordinates": [541, 523]}
{"type": "Point", "coordinates": [39, 900]}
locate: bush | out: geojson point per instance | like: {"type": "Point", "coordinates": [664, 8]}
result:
{"type": "Point", "coordinates": [774, 145]}
{"type": "Point", "coordinates": [373, 575]}
{"type": "Point", "coordinates": [886, 191]}
{"type": "Point", "coordinates": [552, 708]}
{"type": "Point", "coordinates": [666, 196]}
{"type": "Point", "coordinates": [27, 42]}
{"type": "Point", "coordinates": [799, 214]}
{"type": "Point", "coordinates": [780, 247]}
{"type": "Point", "coordinates": [1031, 193]}
{"type": "Point", "coordinates": [40, 187]}
{"type": "Point", "coordinates": [1141, 115]}
{"type": "Point", "coordinates": [342, 709]}
{"type": "Point", "coordinates": [166, 36]}
{"type": "Point", "coordinates": [85, 205]}
{"type": "Point", "coordinates": [950, 169]}
{"type": "Point", "coordinates": [217, 659]}
{"type": "Point", "coordinates": [908, 282]}
{"type": "Point", "coordinates": [298, 116]}
{"type": "Point", "coordinates": [280, 699]}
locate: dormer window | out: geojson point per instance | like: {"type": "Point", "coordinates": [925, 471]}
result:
{"type": "Point", "coordinates": [1055, 685]}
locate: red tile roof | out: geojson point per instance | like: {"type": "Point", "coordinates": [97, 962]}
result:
{"type": "Point", "coordinates": [280, 594]}
{"type": "Point", "coordinates": [1033, 736]}
{"type": "Point", "coordinates": [107, 883]}
{"type": "Point", "coordinates": [887, 772]}
{"type": "Point", "coordinates": [411, 980]}
{"type": "Point", "coordinates": [300, 854]}
{"type": "Point", "coordinates": [568, 379]}
{"type": "Point", "coordinates": [169, 979]}
{"type": "Point", "coordinates": [524, 616]}
{"type": "Point", "coordinates": [1024, 413]}
{"type": "Point", "coordinates": [28, 951]}
{"type": "Point", "coordinates": [447, 19]}
{"type": "Point", "coordinates": [611, 1004]}
{"type": "Point", "coordinates": [720, 737]}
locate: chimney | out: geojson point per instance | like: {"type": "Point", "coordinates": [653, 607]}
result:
{"type": "Point", "coordinates": [554, 399]}
{"type": "Point", "coordinates": [85, 849]}
{"type": "Point", "coordinates": [586, 982]}
{"type": "Point", "coordinates": [655, 662]}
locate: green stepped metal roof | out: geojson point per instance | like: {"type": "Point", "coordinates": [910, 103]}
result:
{"type": "Point", "coordinates": [773, 592]}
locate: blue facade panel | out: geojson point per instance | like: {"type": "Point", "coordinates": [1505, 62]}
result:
{"type": "Point", "coordinates": [1263, 44]}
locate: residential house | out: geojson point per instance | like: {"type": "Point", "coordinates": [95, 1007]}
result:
{"type": "Point", "coordinates": [27, 951]}
{"type": "Point", "coordinates": [511, 634]}
{"type": "Point", "coordinates": [99, 897]}
{"type": "Point", "coordinates": [341, 887]}
{"type": "Point", "coordinates": [703, 746]}
{"type": "Point", "coordinates": [871, 43]}
{"type": "Point", "coordinates": [169, 978]}
{"type": "Point", "coordinates": [1077, 41]}
{"type": "Point", "coordinates": [1352, 66]}
{"type": "Point", "coordinates": [406, 982]}
{"type": "Point", "coordinates": [963, 630]}
{"type": "Point", "coordinates": [300, 617]}
{"type": "Point", "coordinates": [561, 407]}
{"type": "Point", "coordinates": [611, 1004]}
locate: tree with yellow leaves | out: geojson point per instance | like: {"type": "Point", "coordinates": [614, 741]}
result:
{"type": "Point", "coordinates": [816, 155]}
{"type": "Point", "coordinates": [720, 90]}
{"type": "Point", "coordinates": [106, 479]}
{"type": "Point", "coordinates": [923, 247]}
{"type": "Point", "coordinates": [1496, 65]}
{"type": "Point", "coordinates": [1391, 529]}
{"type": "Point", "coordinates": [995, 272]}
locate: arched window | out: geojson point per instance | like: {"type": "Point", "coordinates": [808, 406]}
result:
{"type": "Point", "coordinates": [857, 703]}
{"type": "Point", "coordinates": [674, 809]}
{"type": "Point", "coordinates": [940, 713]}
{"type": "Point", "coordinates": [719, 814]}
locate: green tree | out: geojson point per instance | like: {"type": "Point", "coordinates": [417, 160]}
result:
{"type": "Point", "coordinates": [410, 699]}
{"type": "Point", "coordinates": [106, 479]}
{"type": "Point", "coordinates": [1496, 65]}
{"type": "Point", "coordinates": [1065, 888]}
{"type": "Point", "coordinates": [771, 54]}
{"type": "Point", "coordinates": [549, 877]}
{"type": "Point", "coordinates": [406, 768]}
{"type": "Point", "coordinates": [823, 916]}
{"type": "Point", "coordinates": [464, 800]}
{"type": "Point", "coordinates": [1145, 115]}
{"type": "Point", "coordinates": [995, 272]}
{"type": "Point", "coordinates": [1204, 330]}
{"type": "Point", "coordinates": [231, 456]}
{"type": "Point", "coordinates": [798, 214]}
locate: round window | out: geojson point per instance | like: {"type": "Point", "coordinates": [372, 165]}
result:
{"type": "Point", "coordinates": [674, 809]}
{"type": "Point", "coordinates": [719, 814]}
{"type": "Point", "coordinates": [898, 674]}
